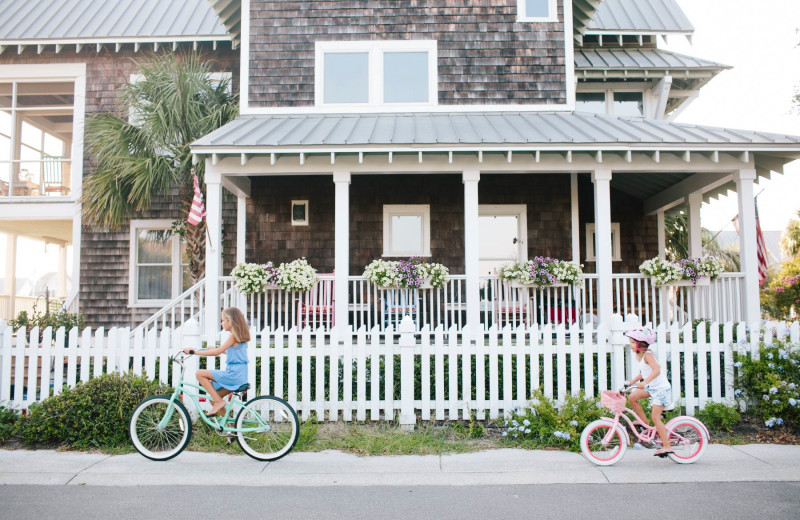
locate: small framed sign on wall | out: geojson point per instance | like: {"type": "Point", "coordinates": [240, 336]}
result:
{"type": "Point", "coordinates": [299, 212]}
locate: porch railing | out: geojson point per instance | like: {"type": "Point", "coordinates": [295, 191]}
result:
{"type": "Point", "coordinates": [500, 303]}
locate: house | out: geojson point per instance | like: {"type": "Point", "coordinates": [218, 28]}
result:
{"type": "Point", "coordinates": [469, 132]}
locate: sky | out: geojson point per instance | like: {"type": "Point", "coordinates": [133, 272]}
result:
{"type": "Point", "coordinates": [759, 39]}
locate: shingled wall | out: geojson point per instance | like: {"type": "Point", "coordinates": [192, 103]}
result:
{"type": "Point", "coordinates": [104, 270]}
{"type": "Point", "coordinates": [485, 55]}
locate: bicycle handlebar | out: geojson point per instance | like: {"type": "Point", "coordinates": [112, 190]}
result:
{"type": "Point", "coordinates": [628, 389]}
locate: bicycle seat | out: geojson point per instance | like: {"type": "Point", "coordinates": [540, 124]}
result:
{"type": "Point", "coordinates": [244, 388]}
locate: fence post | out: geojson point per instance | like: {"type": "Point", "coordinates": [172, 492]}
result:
{"type": "Point", "coordinates": [617, 343]}
{"type": "Point", "coordinates": [191, 339]}
{"type": "Point", "coordinates": [407, 416]}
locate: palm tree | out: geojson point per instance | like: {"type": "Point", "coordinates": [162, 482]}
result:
{"type": "Point", "coordinates": [144, 153]}
{"type": "Point", "coordinates": [677, 247]}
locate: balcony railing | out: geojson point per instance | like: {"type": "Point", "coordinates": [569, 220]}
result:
{"type": "Point", "coordinates": [500, 303]}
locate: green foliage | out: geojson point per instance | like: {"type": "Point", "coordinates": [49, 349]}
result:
{"type": "Point", "coordinates": [677, 243]}
{"type": "Point", "coordinates": [176, 102]}
{"type": "Point", "coordinates": [718, 416]}
{"type": "Point", "coordinates": [90, 415]}
{"type": "Point", "coordinates": [770, 385]}
{"type": "Point", "coordinates": [783, 292]}
{"type": "Point", "coordinates": [42, 320]}
{"type": "Point", "coordinates": [543, 424]}
{"type": "Point", "coordinates": [8, 422]}
{"type": "Point", "coordinates": [472, 430]}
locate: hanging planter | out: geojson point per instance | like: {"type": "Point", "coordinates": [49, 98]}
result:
{"type": "Point", "coordinates": [406, 274]}
{"type": "Point", "coordinates": [542, 272]}
{"type": "Point", "coordinates": [297, 275]}
{"type": "Point", "coordinates": [689, 272]}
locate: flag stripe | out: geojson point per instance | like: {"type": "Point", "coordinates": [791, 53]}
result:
{"type": "Point", "coordinates": [198, 211]}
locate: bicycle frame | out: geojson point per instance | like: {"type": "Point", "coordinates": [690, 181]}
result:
{"type": "Point", "coordinates": [218, 423]}
{"type": "Point", "coordinates": [648, 434]}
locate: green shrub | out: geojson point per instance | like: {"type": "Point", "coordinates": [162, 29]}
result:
{"type": "Point", "coordinates": [543, 424]}
{"type": "Point", "coordinates": [718, 416]}
{"type": "Point", "coordinates": [56, 320]}
{"type": "Point", "coordinates": [90, 415]}
{"type": "Point", "coordinates": [8, 422]}
{"type": "Point", "coordinates": [770, 385]}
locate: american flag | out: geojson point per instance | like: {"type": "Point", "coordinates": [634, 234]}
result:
{"type": "Point", "coordinates": [198, 211]}
{"type": "Point", "coordinates": [761, 252]}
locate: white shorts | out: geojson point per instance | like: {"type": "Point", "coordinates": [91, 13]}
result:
{"type": "Point", "coordinates": [661, 397]}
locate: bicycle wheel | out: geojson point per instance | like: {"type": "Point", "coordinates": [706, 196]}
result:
{"type": "Point", "coordinates": [160, 443]}
{"type": "Point", "coordinates": [592, 445]}
{"type": "Point", "coordinates": [688, 439]}
{"type": "Point", "coordinates": [268, 428]}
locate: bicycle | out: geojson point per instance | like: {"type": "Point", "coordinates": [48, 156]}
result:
{"type": "Point", "coordinates": [604, 441]}
{"type": "Point", "coordinates": [265, 427]}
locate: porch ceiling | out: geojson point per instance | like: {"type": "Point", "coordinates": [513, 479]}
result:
{"type": "Point", "coordinates": [53, 231]}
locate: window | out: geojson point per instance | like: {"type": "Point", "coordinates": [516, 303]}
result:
{"type": "Point", "coordinates": [376, 73]}
{"type": "Point", "coordinates": [537, 11]}
{"type": "Point", "coordinates": [610, 102]}
{"type": "Point", "coordinates": [406, 230]}
{"type": "Point", "coordinates": [299, 212]}
{"type": "Point", "coordinates": [590, 242]}
{"type": "Point", "coordinates": [159, 264]}
{"type": "Point", "coordinates": [36, 126]}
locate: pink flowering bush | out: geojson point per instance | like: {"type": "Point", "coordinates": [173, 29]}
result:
{"type": "Point", "coordinates": [782, 295]}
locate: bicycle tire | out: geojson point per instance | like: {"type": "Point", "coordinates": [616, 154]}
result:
{"type": "Point", "coordinates": [280, 436]}
{"type": "Point", "coordinates": [603, 454]}
{"type": "Point", "coordinates": [688, 439]}
{"type": "Point", "coordinates": [153, 442]}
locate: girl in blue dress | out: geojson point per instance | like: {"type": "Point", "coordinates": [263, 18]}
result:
{"type": "Point", "coordinates": [219, 383]}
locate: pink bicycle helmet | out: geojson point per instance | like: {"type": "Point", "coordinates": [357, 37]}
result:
{"type": "Point", "coordinates": [642, 334]}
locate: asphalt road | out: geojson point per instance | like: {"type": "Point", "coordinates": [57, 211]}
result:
{"type": "Point", "coordinates": [734, 500]}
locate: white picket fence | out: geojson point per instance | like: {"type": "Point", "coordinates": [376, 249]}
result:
{"type": "Point", "coordinates": [373, 374]}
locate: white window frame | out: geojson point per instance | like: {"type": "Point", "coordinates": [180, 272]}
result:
{"type": "Point", "coordinates": [133, 271]}
{"type": "Point", "coordinates": [552, 9]}
{"type": "Point", "coordinates": [291, 212]}
{"type": "Point", "coordinates": [609, 98]}
{"type": "Point", "coordinates": [616, 254]}
{"type": "Point", "coordinates": [375, 50]}
{"type": "Point", "coordinates": [394, 210]}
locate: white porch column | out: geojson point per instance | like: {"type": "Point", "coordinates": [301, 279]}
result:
{"type": "Point", "coordinates": [11, 273]}
{"type": "Point", "coordinates": [747, 244]}
{"type": "Point", "coordinates": [662, 235]}
{"type": "Point", "coordinates": [694, 200]}
{"type": "Point", "coordinates": [575, 220]}
{"type": "Point", "coordinates": [471, 252]}
{"type": "Point", "coordinates": [602, 230]}
{"type": "Point", "coordinates": [241, 228]}
{"type": "Point", "coordinates": [213, 251]}
{"type": "Point", "coordinates": [61, 278]}
{"type": "Point", "coordinates": [341, 180]}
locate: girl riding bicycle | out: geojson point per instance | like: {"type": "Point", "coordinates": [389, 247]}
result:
{"type": "Point", "coordinates": [219, 383]}
{"type": "Point", "coordinates": [650, 382]}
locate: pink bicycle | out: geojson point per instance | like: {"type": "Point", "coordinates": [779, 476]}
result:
{"type": "Point", "coordinates": [605, 440]}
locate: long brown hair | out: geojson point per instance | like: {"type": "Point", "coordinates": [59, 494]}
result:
{"type": "Point", "coordinates": [239, 328]}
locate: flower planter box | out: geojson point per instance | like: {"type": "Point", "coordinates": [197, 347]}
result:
{"type": "Point", "coordinates": [703, 281]}
{"type": "Point", "coordinates": [516, 284]}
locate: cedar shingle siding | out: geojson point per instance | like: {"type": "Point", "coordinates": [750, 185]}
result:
{"type": "Point", "coordinates": [485, 55]}
{"type": "Point", "coordinates": [271, 237]}
{"type": "Point", "coordinates": [104, 270]}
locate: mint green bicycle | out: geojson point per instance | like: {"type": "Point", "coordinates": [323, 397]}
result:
{"type": "Point", "coordinates": [266, 427]}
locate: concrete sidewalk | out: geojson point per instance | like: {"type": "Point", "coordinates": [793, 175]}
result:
{"type": "Point", "coordinates": [753, 462]}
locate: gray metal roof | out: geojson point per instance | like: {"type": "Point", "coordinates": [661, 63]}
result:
{"type": "Point", "coordinates": [108, 20]}
{"type": "Point", "coordinates": [543, 129]}
{"type": "Point", "coordinates": [640, 16]}
{"type": "Point", "coordinates": [640, 58]}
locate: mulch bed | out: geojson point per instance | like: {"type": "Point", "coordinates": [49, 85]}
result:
{"type": "Point", "coordinates": [753, 431]}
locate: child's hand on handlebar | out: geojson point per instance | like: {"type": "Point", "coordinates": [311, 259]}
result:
{"type": "Point", "coordinates": [188, 351]}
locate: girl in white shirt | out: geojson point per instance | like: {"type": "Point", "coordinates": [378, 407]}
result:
{"type": "Point", "coordinates": [650, 382]}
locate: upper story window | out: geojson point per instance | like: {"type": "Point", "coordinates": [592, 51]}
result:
{"type": "Point", "coordinates": [36, 133]}
{"type": "Point", "coordinates": [376, 73]}
{"type": "Point", "coordinates": [537, 11]}
{"type": "Point", "coordinates": [610, 102]}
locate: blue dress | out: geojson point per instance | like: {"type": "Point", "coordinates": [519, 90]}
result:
{"type": "Point", "coordinates": [235, 373]}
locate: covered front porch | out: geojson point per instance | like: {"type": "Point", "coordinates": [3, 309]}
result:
{"type": "Point", "coordinates": [662, 166]}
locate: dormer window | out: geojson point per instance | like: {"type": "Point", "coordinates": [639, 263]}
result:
{"type": "Point", "coordinates": [618, 103]}
{"type": "Point", "coordinates": [373, 73]}
{"type": "Point", "coordinates": [537, 11]}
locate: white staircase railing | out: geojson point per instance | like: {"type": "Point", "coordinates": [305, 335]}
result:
{"type": "Point", "coordinates": [190, 304]}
